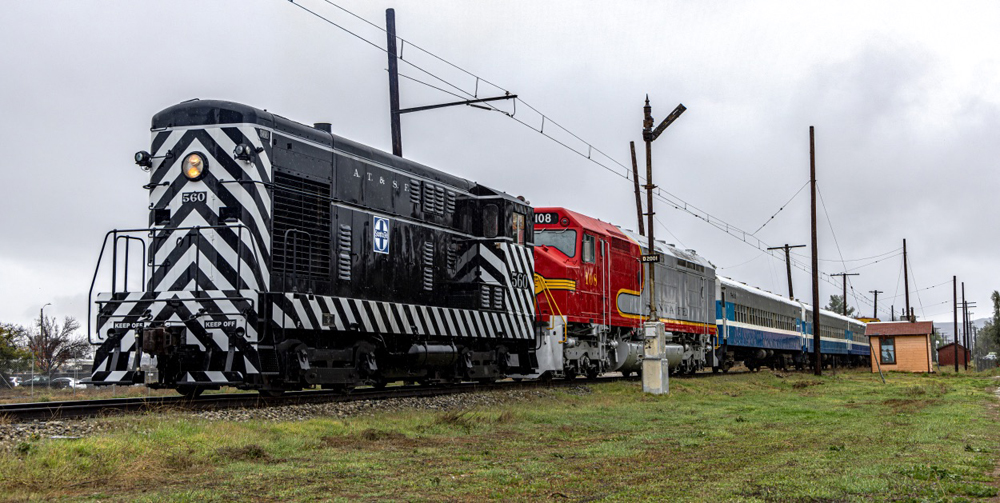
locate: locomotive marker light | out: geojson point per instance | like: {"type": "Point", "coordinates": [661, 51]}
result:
{"type": "Point", "coordinates": [142, 158]}
{"type": "Point", "coordinates": [243, 152]}
{"type": "Point", "coordinates": [194, 166]}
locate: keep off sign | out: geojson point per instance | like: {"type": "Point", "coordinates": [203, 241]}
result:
{"type": "Point", "coordinates": [650, 258]}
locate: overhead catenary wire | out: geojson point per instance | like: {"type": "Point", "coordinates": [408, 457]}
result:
{"type": "Point", "coordinates": [587, 150]}
{"type": "Point", "coordinates": [804, 185]}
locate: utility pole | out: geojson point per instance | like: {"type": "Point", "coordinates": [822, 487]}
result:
{"type": "Point", "coordinates": [843, 303]}
{"type": "Point", "coordinates": [788, 264]}
{"type": "Point", "coordinates": [965, 329]}
{"type": "Point", "coordinates": [817, 354]}
{"type": "Point", "coordinates": [390, 33]}
{"type": "Point", "coordinates": [876, 292]}
{"type": "Point", "coordinates": [635, 178]}
{"type": "Point", "coordinates": [906, 282]}
{"type": "Point", "coordinates": [394, 110]}
{"type": "Point", "coordinates": [954, 314]}
{"type": "Point", "coordinates": [649, 135]}
{"type": "Point", "coordinates": [39, 343]}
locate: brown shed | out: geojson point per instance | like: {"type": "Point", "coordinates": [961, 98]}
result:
{"type": "Point", "coordinates": [946, 355]}
{"type": "Point", "coordinates": [901, 345]}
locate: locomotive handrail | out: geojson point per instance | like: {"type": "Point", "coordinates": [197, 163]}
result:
{"type": "Point", "coordinates": [151, 231]}
{"type": "Point", "coordinates": [114, 260]}
{"type": "Point", "coordinates": [551, 299]}
{"type": "Point", "coordinates": [284, 267]}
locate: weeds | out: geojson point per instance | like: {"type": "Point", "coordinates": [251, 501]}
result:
{"type": "Point", "coordinates": [754, 436]}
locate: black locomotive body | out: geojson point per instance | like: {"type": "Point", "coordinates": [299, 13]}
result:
{"type": "Point", "coordinates": [281, 256]}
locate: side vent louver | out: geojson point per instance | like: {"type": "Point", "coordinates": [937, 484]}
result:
{"type": "Point", "coordinates": [428, 265]}
{"type": "Point", "coordinates": [439, 200]}
{"type": "Point", "coordinates": [415, 192]}
{"type": "Point", "coordinates": [498, 298]}
{"type": "Point", "coordinates": [449, 203]}
{"type": "Point", "coordinates": [452, 257]}
{"type": "Point", "coordinates": [428, 198]}
{"type": "Point", "coordinates": [436, 200]}
{"type": "Point", "coordinates": [344, 258]}
{"type": "Point", "coordinates": [487, 297]}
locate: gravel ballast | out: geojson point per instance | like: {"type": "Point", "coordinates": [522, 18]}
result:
{"type": "Point", "coordinates": [13, 434]}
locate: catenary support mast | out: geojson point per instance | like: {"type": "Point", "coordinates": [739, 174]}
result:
{"type": "Point", "coordinates": [817, 354]}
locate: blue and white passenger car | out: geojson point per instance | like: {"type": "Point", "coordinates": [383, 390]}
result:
{"type": "Point", "coordinates": [760, 328]}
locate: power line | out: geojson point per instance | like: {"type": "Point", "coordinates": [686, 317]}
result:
{"type": "Point", "coordinates": [625, 173]}
{"type": "Point", "coordinates": [781, 208]}
{"type": "Point", "coordinates": [899, 250]}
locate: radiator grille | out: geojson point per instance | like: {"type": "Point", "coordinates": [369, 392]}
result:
{"type": "Point", "coordinates": [304, 206]}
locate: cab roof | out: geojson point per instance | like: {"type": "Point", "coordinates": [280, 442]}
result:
{"type": "Point", "coordinates": [199, 112]}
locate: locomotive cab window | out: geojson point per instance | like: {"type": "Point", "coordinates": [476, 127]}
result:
{"type": "Point", "coordinates": [588, 248]}
{"type": "Point", "coordinates": [518, 227]}
{"type": "Point", "coordinates": [562, 240]}
{"type": "Point", "coordinates": [491, 224]}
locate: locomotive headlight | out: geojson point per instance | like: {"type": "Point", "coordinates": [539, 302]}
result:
{"type": "Point", "coordinates": [194, 166]}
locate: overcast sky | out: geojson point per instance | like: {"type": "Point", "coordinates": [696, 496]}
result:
{"type": "Point", "coordinates": [904, 96]}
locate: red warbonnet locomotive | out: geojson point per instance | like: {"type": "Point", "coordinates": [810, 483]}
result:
{"type": "Point", "coordinates": [589, 288]}
{"type": "Point", "coordinates": [280, 256]}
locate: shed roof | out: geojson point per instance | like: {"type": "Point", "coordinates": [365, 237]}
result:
{"type": "Point", "coordinates": [900, 328]}
{"type": "Point", "coordinates": [949, 346]}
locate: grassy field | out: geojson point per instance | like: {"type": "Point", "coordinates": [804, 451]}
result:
{"type": "Point", "coordinates": [745, 437]}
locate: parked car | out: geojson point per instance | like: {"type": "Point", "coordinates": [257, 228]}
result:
{"type": "Point", "coordinates": [66, 382]}
{"type": "Point", "coordinates": [37, 382]}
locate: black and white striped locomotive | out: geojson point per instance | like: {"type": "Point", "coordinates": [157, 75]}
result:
{"type": "Point", "coordinates": [280, 256]}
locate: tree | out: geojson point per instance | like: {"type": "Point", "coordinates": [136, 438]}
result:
{"type": "Point", "coordinates": [992, 330]}
{"type": "Point", "coordinates": [837, 305]}
{"type": "Point", "coordinates": [53, 345]}
{"type": "Point", "coordinates": [11, 356]}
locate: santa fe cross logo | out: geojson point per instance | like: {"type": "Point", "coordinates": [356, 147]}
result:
{"type": "Point", "coordinates": [381, 238]}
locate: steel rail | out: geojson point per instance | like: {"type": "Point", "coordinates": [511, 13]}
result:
{"type": "Point", "coordinates": [77, 409]}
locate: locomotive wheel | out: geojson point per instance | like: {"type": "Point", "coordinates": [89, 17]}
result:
{"type": "Point", "coordinates": [379, 383]}
{"type": "Point", "coordinates": [190, 392]}
{"type": "Point", "coordinates": [570, 375]}
{"type": "Point", "coordinates": [364, 359]}
{"type": "Point", "coordinates": [587, 368]}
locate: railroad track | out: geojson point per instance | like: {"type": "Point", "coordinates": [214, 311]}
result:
{"type": "Point", "coordinates": [46, 411]}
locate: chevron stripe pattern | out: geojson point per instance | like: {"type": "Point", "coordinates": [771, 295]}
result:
{"type": "Point", "coordinates": [233, 258]}
{"type": "Point", "coordinates": [128, 313]}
